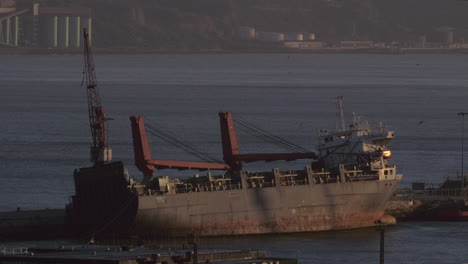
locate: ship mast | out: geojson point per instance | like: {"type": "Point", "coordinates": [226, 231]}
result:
{"type": "Point", "coordinates": [341, 118]}
{"type": "Point", "coordinates": [462, 114]}
{"type": "Point", "coordinates": [100, 153]}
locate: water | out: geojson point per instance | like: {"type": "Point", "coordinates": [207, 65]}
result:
{"type": "Point", "coordinates": [45, 133]}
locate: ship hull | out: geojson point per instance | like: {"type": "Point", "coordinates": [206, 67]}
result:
{"type": "Point", "coordinates": [452, 216]}
{"type": "Point", "coordinates": [105, 207]}
{"type": "Point", "coordinates": [283, 209]}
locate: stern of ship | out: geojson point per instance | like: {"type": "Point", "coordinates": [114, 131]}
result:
{"type": "Point", "coordinates": [103, 205]}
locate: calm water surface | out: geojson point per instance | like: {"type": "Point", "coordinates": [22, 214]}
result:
{"type": "Point", "coordinates": [45, 133]}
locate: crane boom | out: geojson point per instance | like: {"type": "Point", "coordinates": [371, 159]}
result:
{"type": "Point", "coordinates": [100, 152]}
{"type": "Point", "coordinates": [231, 153]}
{"type": "Point", "coordinates": [145, 162]}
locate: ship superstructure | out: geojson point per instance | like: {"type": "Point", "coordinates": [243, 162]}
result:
{"type": "Point", "coordinates": [356, 152]}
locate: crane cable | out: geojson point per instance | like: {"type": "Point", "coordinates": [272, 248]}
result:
{"type": "Point", "coordinates": [179, 143]}
{"type": "Point", "coordinates": [267, 136]}
{"type": "Point", "coordinates": [263, 137]}
{"type": "Point", "coordinates": [182, 146]}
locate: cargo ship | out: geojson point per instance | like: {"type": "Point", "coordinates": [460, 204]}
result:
{"type": "Point", "coordinates": [346, 185]}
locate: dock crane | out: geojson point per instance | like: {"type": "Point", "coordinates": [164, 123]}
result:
{"type": "Point", "coordinates": [100, 152]}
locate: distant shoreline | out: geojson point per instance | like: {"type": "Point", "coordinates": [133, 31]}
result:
{"type": "Point", "coordinates": [266, 50]}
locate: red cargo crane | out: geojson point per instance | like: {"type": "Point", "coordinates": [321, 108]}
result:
{"type": "Point", "coordinates": [100, 153]}
{"type": "Point", "coordinates": [232, 156]}
{"type": "Point", "coordinates": [147, 165]}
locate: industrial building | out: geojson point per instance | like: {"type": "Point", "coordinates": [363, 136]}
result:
{"type": "Point", "coordinates": [303, 44]}
{"type": "Point", "coordinates": [43, 27]}
{"type": "Point", "coordinates": [356, 44]}
{"type": "Point", "coordinates": [294, 40]}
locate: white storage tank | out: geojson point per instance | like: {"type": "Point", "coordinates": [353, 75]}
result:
{"type": "Point", "coordinates": [247, 33]}
{"type": "Point", "coordinates": [422, 41]}
{"type": "Point", "coordinates": [63, 32]}
{"type": "Point", "coordinates": [449, 37]}
{"type": "Point", "coordinates": [52, 31]}
{"type": "Point", "coordinates": [75, 32]}
{"type": "Point", "coordinates": [270, 36]}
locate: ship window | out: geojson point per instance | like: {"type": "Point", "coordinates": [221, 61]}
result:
{"type": "Point", "coordinates": [385, 172]}
{"type": "Point", "coordinates": [331, 139]}
{"type": "Point", "coordinates": [391, 171]}
{"type": "Point", "coordinates": [326, 139]}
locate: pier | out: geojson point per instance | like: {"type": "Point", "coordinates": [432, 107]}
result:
{"type": "Point", "coordinates": [32, 224]}
{"type": "Point", "coordinates": [84, 254]}
{"type": "Point", "coordinates": [421, 203]}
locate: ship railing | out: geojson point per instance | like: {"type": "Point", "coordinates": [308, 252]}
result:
{"type": "Point", "coordinates": [298, 182]}
{"type": "Point", "coordinates": [266, 184]}
{"type": "Point", "coordinates": [363, 178]}
{"type": "Point", "coordinates": [325, 177]}
{"type": "Point", "coordinates": [137, 188]}
{"type": "Point", "coordinates": [288, 179]}
{"type": "Point", "coordinates": [254, 185]}
{"type": "Point", "coordinates": [188, 188]}
{"type": "Point", "coordinates": [15, 251]}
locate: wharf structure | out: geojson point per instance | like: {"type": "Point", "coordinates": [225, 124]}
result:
{"type": "Point", "coordinates": [34, 26]}
{"type": "Point", "coordinates": [90, 254]}
{"type": "Point", "coordinates": [447, 202]}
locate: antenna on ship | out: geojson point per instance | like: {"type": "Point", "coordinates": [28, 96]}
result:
{"type": "Point", "coordinates": [341, 118]}
{"type": "Point", "coordinates": [100, 153]}
{"type": "Point", "coordinates": [462, 114]}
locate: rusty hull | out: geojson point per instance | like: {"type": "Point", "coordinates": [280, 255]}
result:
{"type": "Point", "coordinates": [104, 205]}
{"type": "Point", "coordinates": [301, 208]}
